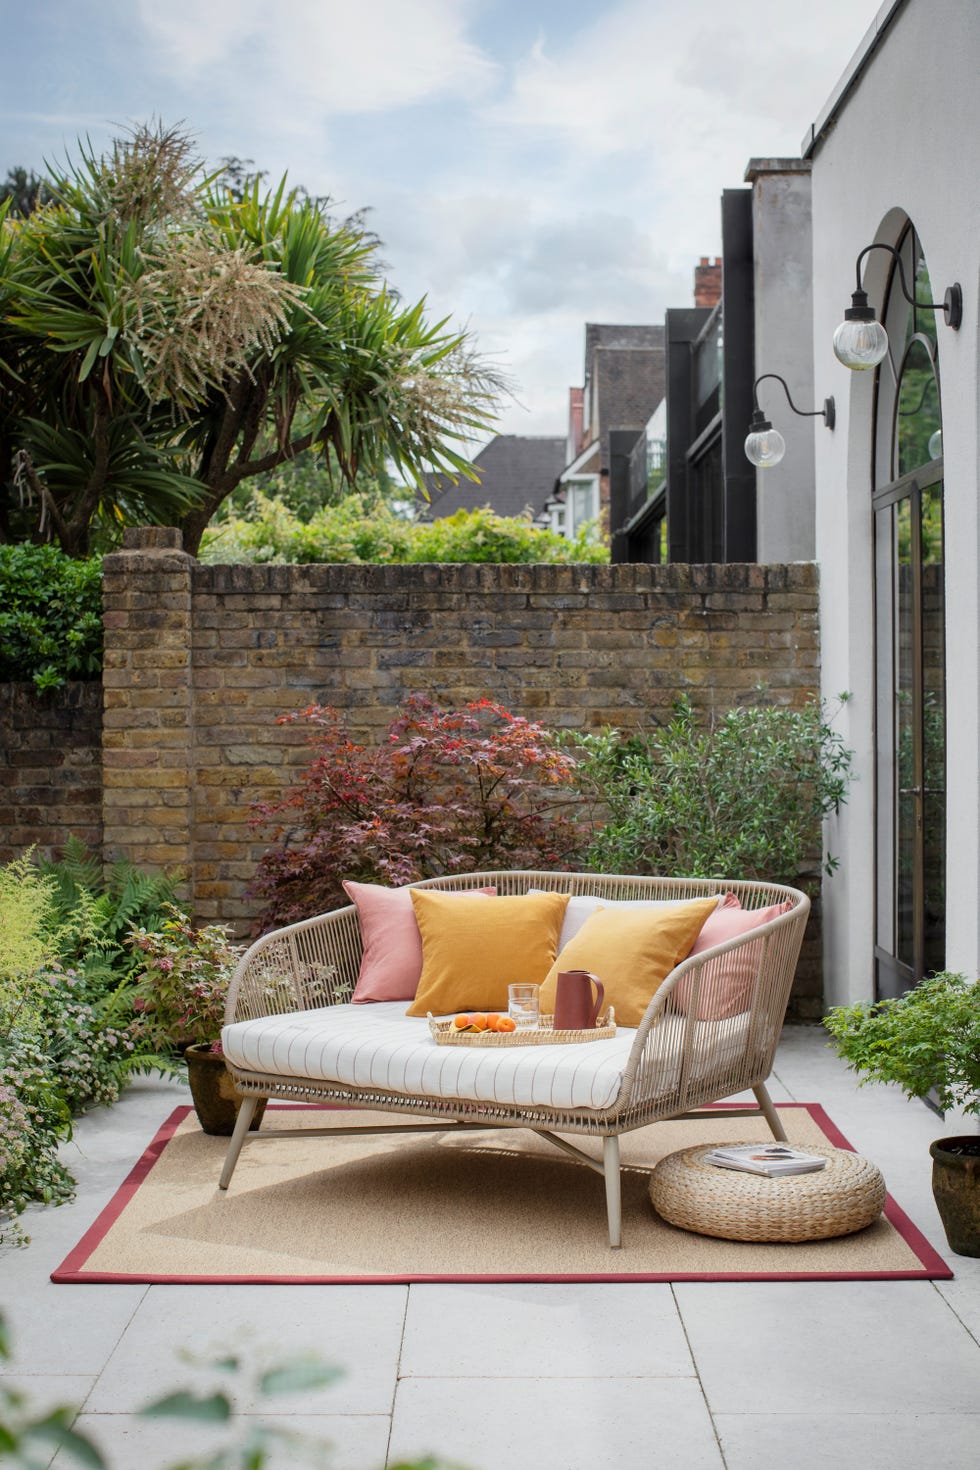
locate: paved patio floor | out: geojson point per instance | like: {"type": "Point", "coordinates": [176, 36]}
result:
{"type": "Point", "coordinates": [695, 1376]}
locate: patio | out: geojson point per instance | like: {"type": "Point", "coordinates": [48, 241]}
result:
{"type": "Point", "coordinates": [694, 1376]}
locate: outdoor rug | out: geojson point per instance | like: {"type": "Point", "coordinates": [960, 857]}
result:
{"type": "Point", "coordinates": [500, 1205]}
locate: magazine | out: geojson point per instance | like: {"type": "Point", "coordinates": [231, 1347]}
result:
{"type": "Point", "coordinates": [771, 1159]}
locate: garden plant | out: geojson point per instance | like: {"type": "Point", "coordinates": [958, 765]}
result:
{"type": "Point", "coordinates": [743, 793]}
{"type": "Point", "coordinates": [444, 791]}
{"type": "Point", "coordinates": [67, 1041]}
{"type": "Point", "coordinates": [925, 1041]}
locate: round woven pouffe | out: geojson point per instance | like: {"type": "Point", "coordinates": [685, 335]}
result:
{"type": "Point", "coordinates": [845, 1196]}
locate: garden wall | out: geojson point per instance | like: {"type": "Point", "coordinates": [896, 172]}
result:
{"type": "Point", "coordinates": [50, 767]}
{"type": "Point", "coordinates": [200, 660]}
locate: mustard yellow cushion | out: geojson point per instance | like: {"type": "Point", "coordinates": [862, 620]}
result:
{"type": "Point", "coordinates": [472, 950]}
{"type": "Point", "coordinates": [631, 952]}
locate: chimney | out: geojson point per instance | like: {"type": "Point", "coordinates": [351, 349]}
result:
{"type": "Point", "coordinates": [707, 281]}
{"type": "Point", "coordinates": [576, 421]}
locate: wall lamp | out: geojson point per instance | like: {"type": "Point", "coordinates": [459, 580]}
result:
{"type": "Point", "coordinates": [861, 341]}
{"type": "Point", "coordinates": [765, 446]}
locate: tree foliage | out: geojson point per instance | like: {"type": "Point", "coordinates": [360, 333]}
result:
{"type": "Point", "coordinates": [165, 336]}
{"type": "Point", "coordinates": [367, 529]}
{"type": "Point", "coordinates": [445, 791]}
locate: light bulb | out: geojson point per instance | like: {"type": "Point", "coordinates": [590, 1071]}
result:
{"type": "Point", "coordinates": [765, 447]}
{"type": "Point", "coordinates": [936, 445]}
{"type": "Point", "coordinates": [860, 344]}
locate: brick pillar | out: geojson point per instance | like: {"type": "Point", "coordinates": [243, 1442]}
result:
{"type": "Point", "coordinates": [148, 730]}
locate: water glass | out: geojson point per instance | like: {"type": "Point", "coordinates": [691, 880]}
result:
{"type": "Point", "coordinates": [523, 1006]}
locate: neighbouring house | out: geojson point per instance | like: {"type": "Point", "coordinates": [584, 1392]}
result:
{"type": "Point", "coordinates": [624, 382]}
{"type": "Point", "coordinates": [897, 514]}
{"type": "Point", "coordinates": [518, 475]}
{"type": "Point", "coordinates": [753, 321]}
{"type": "Point", "coordinates": [638, 459]}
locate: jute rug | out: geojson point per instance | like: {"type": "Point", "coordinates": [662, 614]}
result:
{"type": "Point", "coordinates": [496, 1206]}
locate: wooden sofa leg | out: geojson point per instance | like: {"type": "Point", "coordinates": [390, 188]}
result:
{"type": "Point", "coordinates": [610, 1169]}
{"type": "Point", "coordinates": [769, 1113]}
{"type": "Point", "coordinates": [245, 1115]}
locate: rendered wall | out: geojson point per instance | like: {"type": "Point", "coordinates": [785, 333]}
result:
{"type": "Point", "coordinates": [890, 155]}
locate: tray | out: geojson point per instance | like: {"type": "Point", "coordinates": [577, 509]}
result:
{"type": "Point", "coordinates": [444, 1034]}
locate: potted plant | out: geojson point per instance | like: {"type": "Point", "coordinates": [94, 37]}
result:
{"type": "Point", "coordinates": [928, 1040]}
{"type": "Point", "coordinates": [179, 1000]}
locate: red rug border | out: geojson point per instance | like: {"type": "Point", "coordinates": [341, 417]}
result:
{"type": "Point", "coordinates": [71, 1271]}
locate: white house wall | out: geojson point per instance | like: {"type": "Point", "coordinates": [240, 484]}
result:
{"type": "Point", "coordinates": [904, 144]}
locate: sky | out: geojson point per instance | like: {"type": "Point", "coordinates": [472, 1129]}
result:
{"type": "Point", "coordinates": [530, 165]}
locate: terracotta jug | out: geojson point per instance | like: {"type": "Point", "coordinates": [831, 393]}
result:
{"type": "Point", "coordinates": [575, 1008]}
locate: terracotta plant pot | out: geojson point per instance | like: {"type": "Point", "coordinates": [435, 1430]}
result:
{"type": "Point", "coordinates": [956, 1189]}
{"type": "Point", "coordinates": [216, 1100]}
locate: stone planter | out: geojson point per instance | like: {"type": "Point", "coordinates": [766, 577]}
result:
{"type": "Point", "coordinates": [956, 1189]}
{"type": "Point", "coordinates": [216, 1100]}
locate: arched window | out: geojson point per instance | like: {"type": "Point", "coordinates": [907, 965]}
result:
{"type": "Point", "coordinates": [910, 702]}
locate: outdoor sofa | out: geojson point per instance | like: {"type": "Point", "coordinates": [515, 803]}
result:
{"type": "Point", "coordinates": [292, 1033]}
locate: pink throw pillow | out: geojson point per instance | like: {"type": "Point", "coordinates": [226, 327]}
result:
{"type": "Point", "coordinates": [733, 974]}
{"type": "Point", "coordinates": [391, 963]}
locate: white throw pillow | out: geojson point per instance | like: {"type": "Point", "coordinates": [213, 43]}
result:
{"type": "Point", "coordinates": [581, 905]}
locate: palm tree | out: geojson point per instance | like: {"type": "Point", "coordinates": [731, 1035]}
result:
{"type": "Point", "coordinates": [165, 340]}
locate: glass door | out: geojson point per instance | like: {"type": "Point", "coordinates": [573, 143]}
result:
{"type": "Point", "coordinates": [910, 663]}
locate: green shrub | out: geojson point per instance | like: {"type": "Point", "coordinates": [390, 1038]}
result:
{"type": "Point", "coordinates": [443, 791]}
{"type": "Point", "coordinates": [928, 1038]}
{"type": "Point", "coordinates": [67, 1034]}
{"type": "Point", "coordinates": [740, 797]}
{"type": "Point", "coordinates": [362, 530]}
{"type": "Point", "coordinates": [50, 616]}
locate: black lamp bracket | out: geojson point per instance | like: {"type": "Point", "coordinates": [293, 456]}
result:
{"type": "Point", "coordinates": [828, 413]}
{"type": "Point", "coordinates": [859, 311]}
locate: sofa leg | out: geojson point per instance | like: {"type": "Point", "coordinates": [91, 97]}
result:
{"type": "Point", "coordinates": [610, 1169]}
{"type": "Point", "coordinates": [245, 1115]}
{"type": "Point", "coordinates": [769, 1113]}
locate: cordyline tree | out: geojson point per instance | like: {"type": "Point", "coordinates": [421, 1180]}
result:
{"type": "Point", "coordinates": [162, 341]}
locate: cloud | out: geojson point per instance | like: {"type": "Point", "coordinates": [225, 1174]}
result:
{"type": "Point", "coordinates": [372, 56]}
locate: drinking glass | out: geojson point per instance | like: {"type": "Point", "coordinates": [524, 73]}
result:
{"type": "Point", "coordinates": [523, 1006]}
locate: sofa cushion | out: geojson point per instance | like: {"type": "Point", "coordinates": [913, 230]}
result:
{"type": "Point", "coordinates": [582, 905]}
{"type": "Point", "coordinates": [726, 986]}
{"type": "Point", "coordinates": [472, 950]}
{"type": "Point", "coordinates": [631, 951]}
{"type": "Point", "coordinates": [379, 1046]}
{"type": "Point", "coordinates": [391, 962]}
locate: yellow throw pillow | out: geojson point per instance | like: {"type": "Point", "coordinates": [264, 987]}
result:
{"type": "Point", "coordinates": [631, 951]}
{"type": "Point", "coordinates": [472, 951]}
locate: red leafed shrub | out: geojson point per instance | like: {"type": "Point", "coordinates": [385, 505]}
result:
{"type": "Point", "coordinates": [448, 791]}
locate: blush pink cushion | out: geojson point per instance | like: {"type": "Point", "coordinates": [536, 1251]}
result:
{"type": "Point", "coordinates": [391, 963]}
{"type": "Point", "coordinates": [726, 990]}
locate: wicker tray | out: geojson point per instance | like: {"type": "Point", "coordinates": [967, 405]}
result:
{"type": "Point", "coordinates": [545, 1034]}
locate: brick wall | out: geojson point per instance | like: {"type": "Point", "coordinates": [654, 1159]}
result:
{"type": "Point", "coordinates": [50, 767]}
{"type": "Point", "coordinates": [201, 659]}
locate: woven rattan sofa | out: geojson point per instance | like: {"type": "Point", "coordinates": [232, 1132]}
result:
{"type": "Point", "coordinates": [291, 1033]}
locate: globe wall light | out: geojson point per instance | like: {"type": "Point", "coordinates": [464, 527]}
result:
{"type": "Point", "coordinates": [765, 446]}
{"type": "Point", "coordinates": [861, 341]}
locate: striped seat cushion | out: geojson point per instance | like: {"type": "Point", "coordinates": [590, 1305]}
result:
{"type": "Point", "coordinates": [378, 1046]}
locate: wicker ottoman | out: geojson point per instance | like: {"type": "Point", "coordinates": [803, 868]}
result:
{"type": "Point", "coordinates": [845, 1196]}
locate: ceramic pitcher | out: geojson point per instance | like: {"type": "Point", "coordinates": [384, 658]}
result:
{"type": "Point", "coordinates": [575, 1007]}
